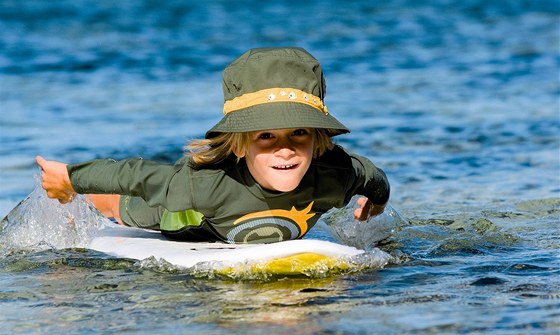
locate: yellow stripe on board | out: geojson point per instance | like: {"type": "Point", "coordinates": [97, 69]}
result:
{"type": "Point", "coordinates": [308, 264]}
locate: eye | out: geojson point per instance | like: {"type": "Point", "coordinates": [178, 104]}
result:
{"type": "Point", "coordinates": [264, 136]}
{"type": "Point", "coordinates": [300, 132]}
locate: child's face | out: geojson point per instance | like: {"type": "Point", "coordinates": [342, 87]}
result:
{"type": "Point", "coordinates": [278, 159]}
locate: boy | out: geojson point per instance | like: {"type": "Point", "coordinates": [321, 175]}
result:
{"type": "Point", "coordinates": [265, 173]}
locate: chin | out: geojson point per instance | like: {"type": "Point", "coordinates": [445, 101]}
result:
{"type": "Point", "coordinates": [290, 189]}
{"type": "Point", "coordinates": [284, 188]}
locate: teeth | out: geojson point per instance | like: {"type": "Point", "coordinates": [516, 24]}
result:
{"type": "Point", "coordinates": [284, 167]}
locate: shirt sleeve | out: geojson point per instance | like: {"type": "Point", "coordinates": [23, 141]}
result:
{"type": "Point", "coordinates": [370, 180]}
{"type": "Point", "coordinates": [152, 181]}
{"type": "Point", "coordinates": [135, 212]}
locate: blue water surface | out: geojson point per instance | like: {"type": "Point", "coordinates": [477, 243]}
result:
{"type": "Point", "coordinates": [458, 101]}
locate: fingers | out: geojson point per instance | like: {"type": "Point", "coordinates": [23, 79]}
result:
{"type": "Point", "coordinates": [40, 161]}
{"type": "Point", "coordinates": [362, 201]}
{"type": "Point", "coordinates": [362, 212]}
{"type": "Point", "coordinates": [63, 197]}
{"type": "Point", "coordinates": [55, 180]}
{"type": "Point", "coordinates": [367, 209]}
{"type": "Point", "coordinates": [42, 165]}
{"type": "Point", "coordinates": [62, 201]}
{"type": "Point", "coordinates": [358, 213]}
{"type": "Point", "coordinates": [67, 199]}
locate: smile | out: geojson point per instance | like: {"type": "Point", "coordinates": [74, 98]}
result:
{"type": "Point", "coordinates": [285, 167]}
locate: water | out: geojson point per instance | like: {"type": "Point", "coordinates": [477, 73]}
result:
{"type": "Point", "coordinates": [456, 100]}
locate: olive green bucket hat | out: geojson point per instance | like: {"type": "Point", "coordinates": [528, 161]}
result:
{"type": "Point", "coordinates": [275, 88]}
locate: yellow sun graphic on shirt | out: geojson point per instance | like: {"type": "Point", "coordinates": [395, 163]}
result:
{"type": "Point", "coordinates": [273, 225]}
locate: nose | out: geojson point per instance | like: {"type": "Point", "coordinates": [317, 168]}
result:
{"type": "Point", "coordinates": [285, 148]}
{"type": "Point", "coordinates": [284, 152]}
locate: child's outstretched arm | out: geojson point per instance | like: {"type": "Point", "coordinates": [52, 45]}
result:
{"type": "Point", "coordinates": [367, 209]}
{"type": "Point", "coordinates": [55, 180]}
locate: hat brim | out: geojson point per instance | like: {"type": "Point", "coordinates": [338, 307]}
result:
{"type": "Point", "coordinates": [278, 115]}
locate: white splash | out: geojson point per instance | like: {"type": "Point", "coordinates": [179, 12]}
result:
{"type": "Point", "coordinates": [362, 234]}
{"type": "Point", "coordinates": [39, 223]}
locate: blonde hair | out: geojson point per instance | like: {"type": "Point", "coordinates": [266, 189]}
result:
{"type": "Point", "coordinates": [210, 151]}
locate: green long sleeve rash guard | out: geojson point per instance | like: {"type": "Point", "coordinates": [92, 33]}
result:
{"type": "Point", "coordinates": [227, 201]}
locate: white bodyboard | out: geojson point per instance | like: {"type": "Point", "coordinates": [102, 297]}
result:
{"type": "Point", "coordinates": [140, 244]}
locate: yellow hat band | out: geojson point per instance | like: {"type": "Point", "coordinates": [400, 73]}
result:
{"type": "Point", "coordinates": [272, 95]}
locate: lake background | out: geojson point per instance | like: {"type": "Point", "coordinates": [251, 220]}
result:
{"type": "Point", "coordinates": [458, 101]}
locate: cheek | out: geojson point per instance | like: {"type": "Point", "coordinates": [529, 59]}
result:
{"type": "Point", "coordinates": [308, 148]}
{"type": "Point", "coordinates": [255, 161]}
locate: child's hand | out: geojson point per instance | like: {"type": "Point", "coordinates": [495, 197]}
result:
{"type": "Point", "coordinates": [367, 209]}
{"type": "Point", "coordinates": [55, 180]}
